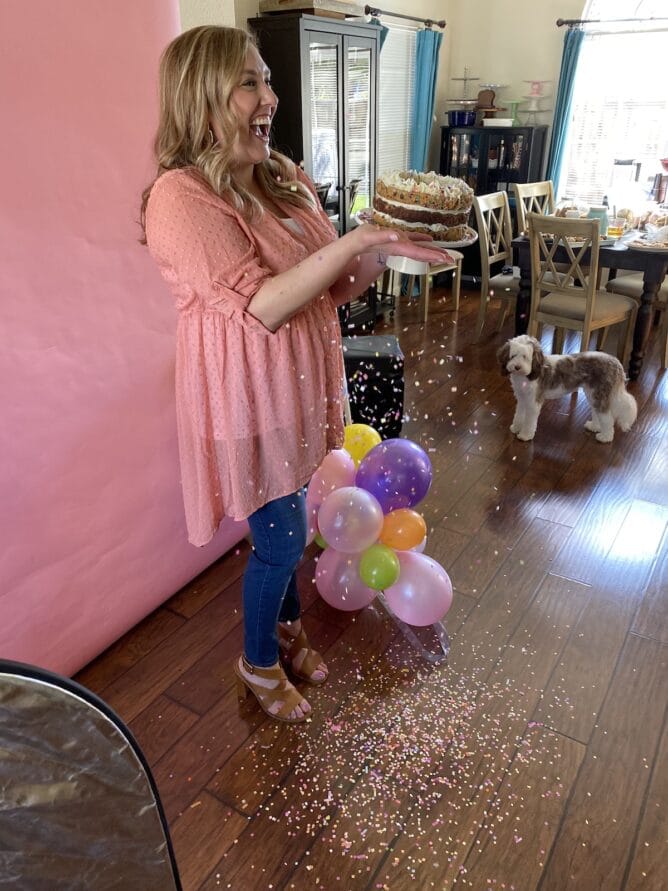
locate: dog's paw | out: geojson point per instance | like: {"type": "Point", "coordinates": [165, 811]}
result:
{"type": "Point", "coordinates": [514, 428]}
{"type": "Point", "coordinates": [592, 426]}
{"type": "Point", "coordinates": [605, 437]}
{"type": "Point", "coordinates": [525, 436]}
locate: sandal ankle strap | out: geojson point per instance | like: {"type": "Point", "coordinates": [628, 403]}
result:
{"type": "Point", "coordinates": [270, 674]}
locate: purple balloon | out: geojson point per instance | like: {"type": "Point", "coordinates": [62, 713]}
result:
{"type": "Point", "coordinates": [423, 593]}
{"type": "Point", "coordinates": [396, 472]}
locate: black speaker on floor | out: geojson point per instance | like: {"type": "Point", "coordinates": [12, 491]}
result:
{"type": "Point", "coordinates": [375, 373]}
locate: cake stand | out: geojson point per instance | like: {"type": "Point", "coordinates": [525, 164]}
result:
{"type": "Point", "coordinates": [424, 272]}
{"type": "Point", "coordinates": [513, 105]}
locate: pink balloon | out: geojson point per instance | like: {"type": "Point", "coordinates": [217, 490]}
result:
{"type": "Point", "coordinates": [338, 582]}
{"type": "Point", "coordinates": [350, 519]}
{"type": "Point", "coordinates": [423, 593]}
{"type": "Point", "coordinates": [337, 470]}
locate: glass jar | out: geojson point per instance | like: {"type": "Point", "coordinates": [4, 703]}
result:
{"type": "Point", "coordinates": [600, 212]}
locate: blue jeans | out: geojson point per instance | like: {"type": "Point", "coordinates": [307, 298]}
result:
{"type": "Point", "coordinates": [270, 582]}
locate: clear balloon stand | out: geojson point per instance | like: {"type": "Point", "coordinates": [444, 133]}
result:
{"type": "Point", "coordinates": [435, 656]}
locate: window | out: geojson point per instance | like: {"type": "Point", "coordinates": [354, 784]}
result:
{"type": "Point", "coordinates": [619, 125]}
{"type": "Point", "coordinates": [395, 101]}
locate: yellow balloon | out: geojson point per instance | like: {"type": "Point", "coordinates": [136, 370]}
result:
{"type": "Point", "coordinates": [360, 439]}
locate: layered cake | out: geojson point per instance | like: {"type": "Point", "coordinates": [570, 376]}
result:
{"type": "Point", "coordinates": [434, 205]}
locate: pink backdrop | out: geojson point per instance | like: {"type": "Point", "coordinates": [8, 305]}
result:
{"type": "Point", "coordinates": [92, 528]}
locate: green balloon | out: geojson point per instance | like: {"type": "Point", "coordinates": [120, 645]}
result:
{"type": "Point", "coordinates": [320, 541]}
{"type": "Point", "coordinates": [379, 567]}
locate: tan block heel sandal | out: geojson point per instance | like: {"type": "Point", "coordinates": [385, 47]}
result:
{"type": "Point", "coordinates": [297, 651]}
{"type": "Point", "coordinates": [281, 691]}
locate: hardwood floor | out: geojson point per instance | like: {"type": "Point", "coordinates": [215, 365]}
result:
{"type": "Point", "coordinates": [537, 758]}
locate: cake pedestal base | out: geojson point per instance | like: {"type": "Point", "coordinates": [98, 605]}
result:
{"type": "Point", "coordinates": [425, 271]}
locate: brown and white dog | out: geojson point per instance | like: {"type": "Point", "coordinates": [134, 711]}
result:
{"type": "Point", "coordinates": [536, 377]}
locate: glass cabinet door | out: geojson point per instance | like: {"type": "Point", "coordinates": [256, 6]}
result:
{"type": "Point", "coordinates": [465, 156]}
{"type": "Point", "coordinates": [506, 159]}
{"type": "Point", "coordinates": [339, 102]}
{"type": "Point", "coordinates": [359, 87]}
{"type": "Point", "coordinates": [323, 136]}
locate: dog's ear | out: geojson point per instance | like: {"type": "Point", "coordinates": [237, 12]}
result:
{"type": "Point", "coordinates": [503, 355]}
{"type": "Point", "coordinates": [537, 360]}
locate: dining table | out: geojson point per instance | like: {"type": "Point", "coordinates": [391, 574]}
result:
{"type": "Point", "coordinates": [652, 263]}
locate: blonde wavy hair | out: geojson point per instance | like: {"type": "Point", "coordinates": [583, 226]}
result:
{"type": "Point", "coordinates": [198, 71]}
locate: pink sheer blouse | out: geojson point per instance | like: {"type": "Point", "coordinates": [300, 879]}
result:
{"type": "Point", "coordinates": [256, 411]}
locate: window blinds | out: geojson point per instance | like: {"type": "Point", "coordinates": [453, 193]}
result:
{"type": "Point", "coordinates": [620, 112]}
{"type": "Point", "coordinates": [396, 77]}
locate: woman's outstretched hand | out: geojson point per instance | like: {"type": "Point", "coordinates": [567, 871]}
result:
{"type": "Point", "coordinates": [369, 238]}
{"type": "Point", "coordinates": [346, 267]}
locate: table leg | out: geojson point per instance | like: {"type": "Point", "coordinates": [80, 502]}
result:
{"type": "Point", "coordinates": [457, 283]}
{"type": "Point", "coordinates": [427, 294]}
{"type": "Point", "coordinates": [523, 304]}
{"type": "Point", "coordinates": [643, 325]}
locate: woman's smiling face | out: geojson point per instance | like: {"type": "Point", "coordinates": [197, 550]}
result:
{"type": "Point", "coordinates": [254, 105]}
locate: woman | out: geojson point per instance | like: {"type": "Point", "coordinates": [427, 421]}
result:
{"type": "Point", "coordinates": [257, 273]}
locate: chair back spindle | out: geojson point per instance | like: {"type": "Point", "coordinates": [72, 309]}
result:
{"type": "Point", "coordinates": [493, 222]}
{"type": "Point", "coordinates": [532, 198]}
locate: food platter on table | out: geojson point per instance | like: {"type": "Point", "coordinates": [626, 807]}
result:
{"type": "Point", "coordinates": [645, 245]}
{"type": "Point", "coordinates": [366, 216]}
{"type": "Point", "coordinates": [603, 241]}
{"type": "Point", "coordinates": [576, 242]}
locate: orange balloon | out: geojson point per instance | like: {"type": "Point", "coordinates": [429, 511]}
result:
{"type": "Point", "coordinates": [403, 529]}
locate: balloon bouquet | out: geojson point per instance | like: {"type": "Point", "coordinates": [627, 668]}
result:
{"type": "Point", "coordinates": [360, 510]}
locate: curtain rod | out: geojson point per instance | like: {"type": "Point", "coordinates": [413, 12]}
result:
{"type": "Point", "coordinates": [373, 10]}
{"type": "Point", "coordinates": [572, 22]}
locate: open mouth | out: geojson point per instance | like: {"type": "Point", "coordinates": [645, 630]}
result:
{"type": "Point", "coordinates": [260, 127]}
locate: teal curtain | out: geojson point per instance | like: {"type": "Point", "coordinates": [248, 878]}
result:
{"type": "Point", "coordinates": [383, 30]}
{"type": "Point", "coordinates": [427, 45]}
{"type": "Point", "coordinates": [562, 106]}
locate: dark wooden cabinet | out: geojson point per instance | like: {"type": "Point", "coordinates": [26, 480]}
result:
{"type": "Point", "coordinates": [489, 159]}
{"type": "Point", "coordinates": [325, 74]}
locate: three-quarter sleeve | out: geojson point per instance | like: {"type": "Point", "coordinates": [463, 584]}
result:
{"type": "Point", "coordinates": [204, 249]}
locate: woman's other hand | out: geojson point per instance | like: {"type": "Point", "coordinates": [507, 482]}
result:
{"type": "Point", "coordinates": [371, 239]}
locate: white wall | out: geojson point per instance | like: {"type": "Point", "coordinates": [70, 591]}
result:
{"type": "Point", "coordinates": [501, 41]}
{"type": "Point", "coordinates": [206, 12]}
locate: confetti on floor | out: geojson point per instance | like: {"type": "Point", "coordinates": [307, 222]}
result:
{"type": "Point", "coordinates": [418, 757]}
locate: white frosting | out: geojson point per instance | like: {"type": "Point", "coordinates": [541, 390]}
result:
{"type": "Point", "coordinates": [428, 183]}
{"type": "Point", "coordinates": [421, 208]}
{"type": "Point", "coordinates": [404, 224]}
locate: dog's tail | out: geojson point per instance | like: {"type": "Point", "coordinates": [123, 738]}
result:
{"type": "Point", "coordinates": [624, 408]}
